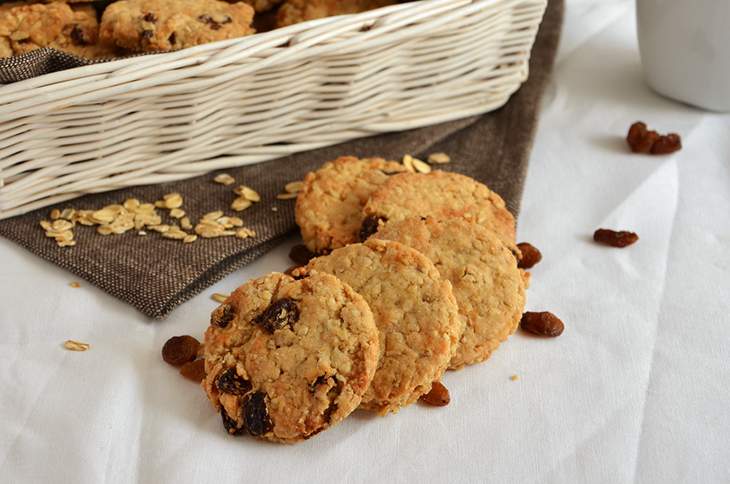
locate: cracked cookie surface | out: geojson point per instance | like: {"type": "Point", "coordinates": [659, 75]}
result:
{"type": "Point", "coordinates": [415, 312]}
{"type": "Point", "coordinates": [488, 286]}
{"type": "Point", "coordinates": [329, 207]}
{"type": "Point", "coordinates": [286, 359]}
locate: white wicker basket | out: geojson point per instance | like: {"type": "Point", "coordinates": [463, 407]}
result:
{"type": "Point", "coordinates": [165, 117]}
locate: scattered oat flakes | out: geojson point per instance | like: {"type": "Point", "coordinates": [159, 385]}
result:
{"type": "Point", "coordinates": [75, 285]}
{"type": "Point", "coordinates": [72, 345]}
{"type": "Point", "coordinates": [173, 200]}
{"type": "Point", "coordinates": [186, 224]}
{"type": "Point", "coordinates": [55, 214]}
{"type": "Point", "coordinates": [294, 187]}
{"type": "Point", "coordinates": [286, 196]}
{"type": "Point", "coordinates": [408, 163]}
{"type": "Point", "coordinates": [177, 213]}
{"type": "Point", "coordinates": [218, 297]}
{"type": "Point", "coordinates": [244, 233]}
{"type": "Point", "coordinates": [247, 193]}
{"type": "Point", "coordinates": [421, 166]}
{"type": "Point", "coordinates": [439, 158]}
{"type": "Point", "coordinates": [224, 179]}
{"type": "Point", "coordinates": [514, 377]}
{"type": "Point", "coordinates": [190, 238]}
{"type": "Point", "coordinates": [240, 204]}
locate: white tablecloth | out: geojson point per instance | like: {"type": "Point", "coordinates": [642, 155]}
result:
{"type": "Point", "coordinates": [637, 389]}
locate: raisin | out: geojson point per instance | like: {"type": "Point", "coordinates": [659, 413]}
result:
{"type": "Point", "coordinates": [667, 144]}
{"type": "Point", "coordinates": [390, 173]}
{"type": "Point", "coordinates": [332, 395]}
{"type": "Point", "coordinates": [438, 396]}
{"type": "Point", "coordinates": [613, 238]}
{"type": "Point", "coordinates": [194, 370]}
{"type": "Point", "coordinates": [301, 255]}
{"type": "Point", "coordinates": [320, 380]}
{"type": "Point", "coordinates": [172, 39]}
{"type": "Point", "coordinates": [230, 382]}
{"type": "Point", "coordinates": [642, 140]}
{"type": "Point", "coordinates": [226, 20]}
{"type": "Point", "coordinates": [542, 324]}
{"type": "Point", "coordinates": [255, 414]}
{"type": "Point", "coordinates": [530, 255]}
{"type": "Point", "coordinates": [222, 315]}
{"type": "Point", "coordinates": [210, 21]}
{"type": "Point", "coordinates": [281, 313]}
{"type": "Point", "coordinates": [180, 349]}
{"type": "Point", "coordinates": [369, 226]}
{"type": "Point", "coordinates": [78, 36]}
{"type": "Point", "coordinates": [150, 17]}
{"type": "Point", "coordinates": [229, 424]}
{"type": "Point", "coordinates": [147, 34]}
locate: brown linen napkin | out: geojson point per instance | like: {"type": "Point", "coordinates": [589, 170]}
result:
{"type": "Point", "coordinates": [155, 275]}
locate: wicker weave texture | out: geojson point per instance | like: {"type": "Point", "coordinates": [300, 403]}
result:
{"type": "Point", "coordinates": [171, 116]}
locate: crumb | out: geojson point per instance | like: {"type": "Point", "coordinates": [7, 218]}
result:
{"type": "Point", "coordinates": [514, 378]}
{"type": "Point", "coordinates": [75, 285]}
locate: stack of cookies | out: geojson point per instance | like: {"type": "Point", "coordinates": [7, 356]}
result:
{"type": "Point", "coordinates": [100, 29]}
{"type": "Point", "coordinates": [416, 273]}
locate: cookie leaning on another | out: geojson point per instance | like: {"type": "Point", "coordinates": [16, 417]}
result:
{"type": "Point", "coordinates": [415, 312]}
{"type": "Point", "coordinates": [488, 286]}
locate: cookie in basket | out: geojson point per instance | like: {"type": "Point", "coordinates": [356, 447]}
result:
{"type": "Point", "coordinates": [295, 11]}
{"type": "Point", "coordinates": [415, 312]}
{"type": "Point", "coordinates": [26, 27]}
{"type": "Point", "coordinates": [164, 25]}
{"type": "Point", "coordinates": [488, 286]}
{"type": "Point", "coordinates": [329, 207]}
{"type": "Point", "coordinates": [441, 195]}
{"type": "Point", "coordinates": [263, 5]}
{"type": "Point", "coordinates": [286, 359]}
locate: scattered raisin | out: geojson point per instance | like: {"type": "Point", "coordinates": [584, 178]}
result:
{"type": "Point", "coordinates": [667, 144]}
{"type": "Point", "coordinates": [281, 313]}
{"type": "Point", "coordinates": [542, 324]}
{"type": "Point", "coordinates": [194, 370]}
{"type": "Point", "coordinates": [230, 382]}
{"type": "Point", "coordinates": [222, 315]}
{"type": "Point", "coordinates": [180, 349]}
{"type": "Point", "coordinates": [150, 17]}
{"type": "Point", "coordinates": [615, 239]}
{"type": "Point", "coordinates": [438, 396]}
{"type": "Point", "coordinates": [230, 424]}
{"type": "Point", "coordinates": [369, 226]}
{"type": "Point", "coordinates": [255, 414]}
{"type": "Point", "coordinates": [642, 140]}
{"type": "Point", "coordinates": [530, 255]}
{"type": "Point", "coordinates": [301, 255]}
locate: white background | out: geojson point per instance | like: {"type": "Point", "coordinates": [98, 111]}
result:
{"type": "Point", "coordinates": [635, 390]}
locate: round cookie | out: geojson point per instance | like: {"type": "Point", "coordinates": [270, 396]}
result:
{"type": "Point", "coordinates": [329, 207]}
{"type": "Point", "coordinates": [295, 11]}
{"type": "Point", "coordinates": [286, 358]}
{"type": "Point", "coordinates": [441, 195]}
{"type": "Point", "coordinates": [488, 286]}
{"type": "Point", "coordinates": [414, 310]}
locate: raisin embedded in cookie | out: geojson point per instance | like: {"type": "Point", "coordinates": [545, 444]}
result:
{"type": "Point", "coordinates": [414, 310]}
{"type": "Point", "coordinates": [329, 207]}
{"type": "Point", "coordinates": [163, 25]}
{"type": "Point", "coordinates": [488, 286]}
{"type": "Point", "coordinates": [440, 195]}
{"type": "Point", "coordinates": [286, 358]}
{"type": "Point", "coordinates": [295, 11]}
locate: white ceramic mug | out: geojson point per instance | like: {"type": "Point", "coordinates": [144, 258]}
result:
{"type": "Point", "coordinates": [685, 50]}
